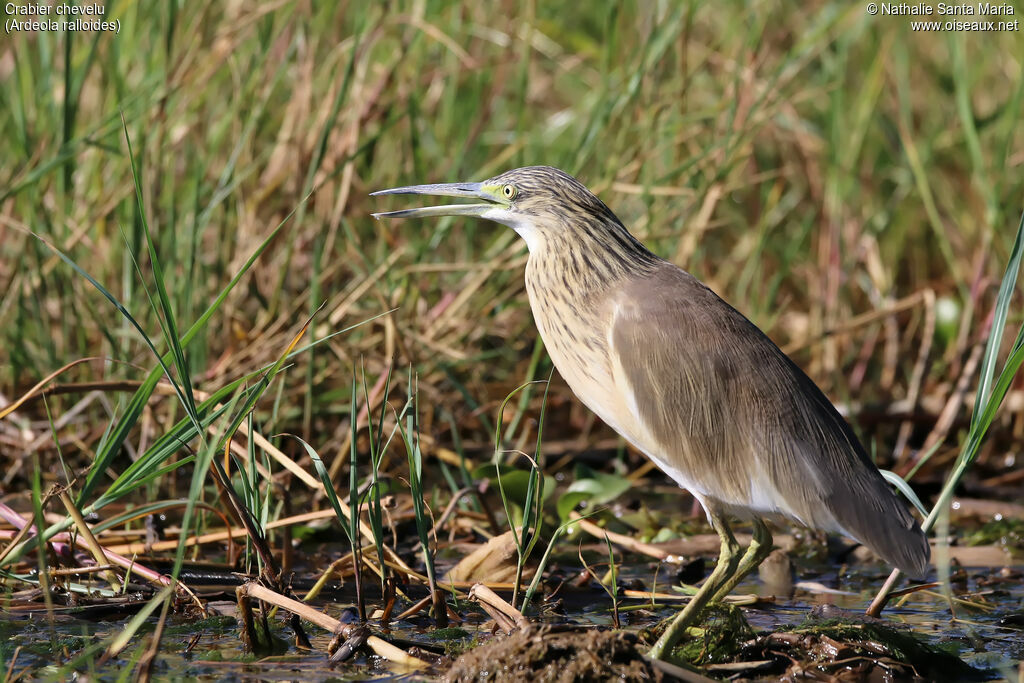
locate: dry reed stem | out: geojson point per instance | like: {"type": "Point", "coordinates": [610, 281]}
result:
{"type": "Point", "coordinates": [94, 547]}
{"type": "Point", "coordinates": [627, 542]}
{"type": "Point", "coordinates": [507, 617]}
{"type": "Point", "coordinates": [918, 376]}
{"type": "Point", "coordinates": [379, 646]}
{"type": "Point", "coordinates": [857, 321]}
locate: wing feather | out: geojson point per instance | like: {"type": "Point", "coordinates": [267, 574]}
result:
{"type": "Point", "coordinates": [740, 422]}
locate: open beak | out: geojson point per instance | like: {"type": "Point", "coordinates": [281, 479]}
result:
{"type": "Point", "coordinates": [443, 190]}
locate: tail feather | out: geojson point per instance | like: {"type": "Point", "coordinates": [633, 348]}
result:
{"type": "Point", "coordinates": [850, 490]}
{"type": "Point", "coordinates": [829, 483]}
{"type": "Point", "coordinates": [883, 524]}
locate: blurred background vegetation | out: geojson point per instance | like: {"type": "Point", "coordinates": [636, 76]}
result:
{"type": "Point", "coordinates": [850, 185]}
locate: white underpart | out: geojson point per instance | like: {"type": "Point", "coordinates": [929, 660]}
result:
{"type": "Point", "coordinates": [517, 222]}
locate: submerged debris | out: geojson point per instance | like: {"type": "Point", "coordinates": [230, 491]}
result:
{"type": "Point", "coordinates": [543, 653]}
{"type": "Point", "coordinates": [833, 643]}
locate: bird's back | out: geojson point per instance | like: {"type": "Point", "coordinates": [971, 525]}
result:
{"type": "Point", "coordinates": [726, 413]}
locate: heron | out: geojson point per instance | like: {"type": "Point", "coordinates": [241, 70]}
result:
{"type": "Point", "coordinates": [687, 379]}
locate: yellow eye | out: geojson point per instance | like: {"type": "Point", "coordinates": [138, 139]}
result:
{"type": "Point", "coordinates": [509, 191]}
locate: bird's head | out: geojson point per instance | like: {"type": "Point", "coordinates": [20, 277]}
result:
{"type": "Point", "coordinates": [538, 202]}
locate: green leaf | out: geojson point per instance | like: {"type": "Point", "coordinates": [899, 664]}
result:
{"type": "Point", "coordinates": [569, 501]}
{"type": "Point", "coordinates": [514, 481]}
{"type": "Point", "coordinates": [904, 488]}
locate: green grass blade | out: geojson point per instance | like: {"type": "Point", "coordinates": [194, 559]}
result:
{"type": "Point", "coordinates": [170, 325]}
{"type": "Point", "coordinates": [995, 338]}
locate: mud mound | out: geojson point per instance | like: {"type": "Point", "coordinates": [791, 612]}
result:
{"type": "Point", "coordinates": [540, 653]}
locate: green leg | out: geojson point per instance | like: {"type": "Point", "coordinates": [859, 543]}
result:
{"type": "Point", "coordinates": [728, 559]}
{"type": "Point", "coordinates": [760, 547]}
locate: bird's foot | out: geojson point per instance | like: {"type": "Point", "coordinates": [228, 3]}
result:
{"type": "Point", "coordinates": [677, 628]}
{"type": "Point", "coordinates": [713, 634]}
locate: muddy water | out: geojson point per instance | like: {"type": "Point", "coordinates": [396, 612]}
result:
{"type": "Point", "coordinates": [210, 649]}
